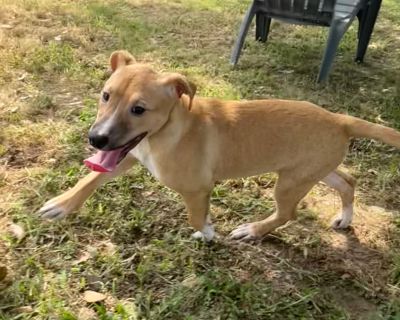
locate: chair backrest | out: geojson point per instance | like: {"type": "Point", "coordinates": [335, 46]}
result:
{"type": "Point", "coordinates": [318, 12]}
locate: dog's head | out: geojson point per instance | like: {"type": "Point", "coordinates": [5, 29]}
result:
{"type": "Point", "coordinates": [135, 102]}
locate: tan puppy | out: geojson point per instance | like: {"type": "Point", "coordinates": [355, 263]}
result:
{"type": "Point", "coordinates": [189, 143]}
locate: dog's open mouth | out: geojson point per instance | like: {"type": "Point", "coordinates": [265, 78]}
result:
{"type": "Point", "coordinates": [106, 161]}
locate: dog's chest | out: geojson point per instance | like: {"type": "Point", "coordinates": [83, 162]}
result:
{"type": "Point", "coordinates": [142, 152]}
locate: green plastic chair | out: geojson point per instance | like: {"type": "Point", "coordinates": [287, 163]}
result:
{"type": "Point", "coordinates": [337, 15]}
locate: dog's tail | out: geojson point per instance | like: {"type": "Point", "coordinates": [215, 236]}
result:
{"type": "Point", "coordinates": [359, 128]}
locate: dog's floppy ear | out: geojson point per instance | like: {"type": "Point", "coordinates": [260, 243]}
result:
{"type": "Point", "coordinates": [179, 85]}
{"type": "Point", "coordinates": [120, 58]}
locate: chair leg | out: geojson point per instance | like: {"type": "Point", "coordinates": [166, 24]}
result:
{"type": "Point", "coordinates": [244, 28]}
{"type": "Point", "coordinates": [336, 32]}
{"type": "Point", "coordinates": [263, 23]}
{"type": "Point", "coordinates": [367, 28]}
{"type": "Point", "coordinates": [361, 21]}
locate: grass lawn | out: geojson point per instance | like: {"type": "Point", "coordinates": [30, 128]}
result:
{"type": "Point", "coordinates": [131, 241]}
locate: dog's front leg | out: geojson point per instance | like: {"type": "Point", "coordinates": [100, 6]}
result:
{"type": "Point", "coordinates": [73, 199]}
{"type": "Point", "coordinates": [197, 205]}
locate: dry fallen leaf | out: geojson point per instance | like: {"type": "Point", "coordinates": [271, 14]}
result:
{"type": "Point", "coordinates": [24, 309]}
{"type": "Point", "coordinates": [82, 258]}
{"type": "Point", "coordinates": [191, 281]}
{"type": "Point", "coordinates": [93, 296]}
{"type": "Point", "coordinates": [17, 231]}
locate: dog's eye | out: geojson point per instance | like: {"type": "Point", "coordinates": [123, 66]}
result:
{"type": "Point", "coordinates": [105, 96]}
{"type": "Point", "coordinates": [138, 110]}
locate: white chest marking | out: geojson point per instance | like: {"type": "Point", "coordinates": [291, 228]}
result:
{"type": "Point", "coordinates": [142, 152]}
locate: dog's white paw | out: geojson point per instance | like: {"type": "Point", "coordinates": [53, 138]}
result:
{"type": "Point", "coordinates": [245, 232]}
{"type": "Point", "coordinates": [343, 221]}
{"type": "Point", "coordinates": [207, 234]}
{"type": "Point", "coordinates": [53, 211]}
{"type": "Point", "coordinates": [340, 223]}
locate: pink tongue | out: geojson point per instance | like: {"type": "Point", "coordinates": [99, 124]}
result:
{"type": "Point", "coordinates": [103, 161]}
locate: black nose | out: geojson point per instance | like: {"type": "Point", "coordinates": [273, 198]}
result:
{"type": "Point", "coordinates": [98, 141]}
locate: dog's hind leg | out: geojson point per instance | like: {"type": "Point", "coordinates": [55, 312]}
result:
{"type": "Point", "coordinates": [73, 199]}
{"type": "Point", "coordinates": [289, 190]}
{"type": "Point", "coordinates": [345, 185]}
{"type": "Point", "coordinates": [197, 205]}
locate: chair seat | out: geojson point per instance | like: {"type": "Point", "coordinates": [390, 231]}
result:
{"type": "Point", "coordinates": [314, 12]}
